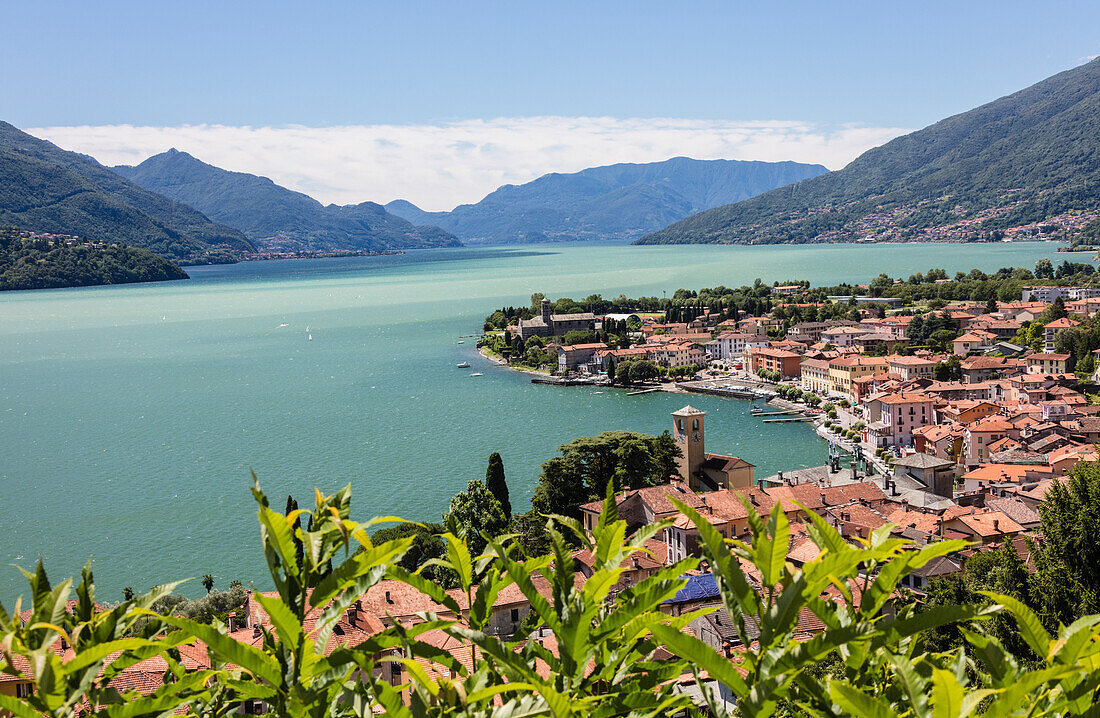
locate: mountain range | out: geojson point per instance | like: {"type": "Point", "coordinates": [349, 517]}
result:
{"type": "Point", "coordinates": [274, 217]}
{"type": "Point", "coordinates": [1031, 157]}
{"type": "Point", "coordinates": [621, 201]}
{"type": "Point", "coordinates": [46, 189]}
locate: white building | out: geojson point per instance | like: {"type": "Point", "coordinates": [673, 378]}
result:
{"type": "Point", "coordinates": [1068, 294]}
{"type": "Point", "coordinates": [732, 345]}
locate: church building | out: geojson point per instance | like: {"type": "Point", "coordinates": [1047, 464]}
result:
{"type": "Point", "coordinates": [698, 469]}
{"type": "Point", "coordinates": [555, 325]}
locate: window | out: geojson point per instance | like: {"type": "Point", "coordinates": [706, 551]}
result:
{"type": "Point", "coordinates": [695, 425]}
{"type": "Point", "coordinates": [24, 690]}
{"type": "Point", "coordinates": [515, 615]}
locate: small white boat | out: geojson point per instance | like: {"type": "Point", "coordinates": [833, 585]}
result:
{"type": "Point", "coordinates": [476, 373]}
{"type": "Point", "coordinates": [461, 342]}
{"type": "Point", "coordinates": [311, 337]}
{"type": "Point", "coordinates": [463, 365]}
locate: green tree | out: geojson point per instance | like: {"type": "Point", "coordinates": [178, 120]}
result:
{"type": "Point", "coordinates": [948, 370]}
{"type": "Point", "coordinates": [496, 483]}
{"type": "Point", "coordinates": [1055, 310]}
{"type": "Point", "coordinates": [427, 543]}
{"type": "Point", "coordinates": [208, 582]}
{"type": "Point", "coordinates": [478, 515]}
{"type": "Point", "coordinates": [1068, 561]}
{"type": "Point", "coordinates": [578, 337]}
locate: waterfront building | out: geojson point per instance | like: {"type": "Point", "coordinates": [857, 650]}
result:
{"type": "Point", "coordinates": [815, 376]}
{"type": "Point", "coordinates": [579, 357]}
{"type": "Point", "coordinates": [731, 345]}
{"type": "Point", "coordinates": [844, 370]}
{"type": "Point", "coordinates": [786, 363]}
{"type": "Point", "coordinates": [892, 417]}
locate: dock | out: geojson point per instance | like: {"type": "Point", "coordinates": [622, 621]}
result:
{"type": "Point", "coordinates": [558, 381]}
{"type": "Point", "coordinates": [778, 413]}
{"type": "Point", "coordinates": [641, 391]}
{"type": "Point", "coordinates": [786, 419]}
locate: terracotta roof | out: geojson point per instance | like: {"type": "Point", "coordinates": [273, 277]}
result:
{"type": "Point", "coordinates": [989, 523]}
{"type": "Point", "coordinates": [991, 423]}
{"type": "Point", "coordinates": [1004, 473]}
{"type": "Point", "coordinates": [1015, 509]}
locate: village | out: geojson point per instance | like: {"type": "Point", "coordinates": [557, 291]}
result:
{"type": "Point", "coordinates": [929, 446]}
{"type": "Point", "coordinates": [962, 443]}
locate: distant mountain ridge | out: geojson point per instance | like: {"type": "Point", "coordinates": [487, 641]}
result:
{"type": "Point", "coordinates": [275, 217]}
{"type": "Point", "coordinates": [1022, 159]}
{"type": "Point", "coordinates": [49, 190]}
{"type": "Point", "coordinates": [621, 201]}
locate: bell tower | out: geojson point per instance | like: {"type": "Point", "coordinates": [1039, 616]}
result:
{"type": "Point", "coordinates": [688, 429]}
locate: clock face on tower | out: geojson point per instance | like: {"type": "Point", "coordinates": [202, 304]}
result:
{"type": "Point", "coordinates": [695, 437]}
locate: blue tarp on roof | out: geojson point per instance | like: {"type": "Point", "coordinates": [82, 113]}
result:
{"type": "Point", "coordinates": [698, 588]}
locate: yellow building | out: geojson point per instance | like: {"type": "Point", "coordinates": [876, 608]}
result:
{"type": "Point", "coordinates": [845, 370]}
{"type": "Point", "coordinates": [815, 376]}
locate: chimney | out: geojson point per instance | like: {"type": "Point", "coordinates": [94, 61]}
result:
{"type": "Point", "coordinates": [853, 466]}
{"type": "Point", "coordinates": [634, 561]}
{"type": "Point", "coordinates": [752, 498]}
{"type": "Point", "coordinates": [781, 480]}
{"type": "Point", "coordinates": [232, 624]}
{"type": "Point", "coordinates": [996, 525]}
{"type": "Point", "coordinates": [388, 599]}
{"type": "Point", "coordinates": [822, 498]}
{"type": "Point", "coordinates": [256, 632]}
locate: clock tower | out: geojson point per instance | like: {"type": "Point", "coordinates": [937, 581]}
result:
{"type": "Point", "coordinates": [689, 432]}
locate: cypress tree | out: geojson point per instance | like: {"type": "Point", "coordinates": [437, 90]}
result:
{"type": "Point", "coordinates": [494, 481]}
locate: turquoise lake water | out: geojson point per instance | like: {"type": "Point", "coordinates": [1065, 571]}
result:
{"type": "Point", "coordinates": [131, 416]}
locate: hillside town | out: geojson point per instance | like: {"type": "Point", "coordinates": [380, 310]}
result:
{"type": "Point", "coordinates": [962, 440]}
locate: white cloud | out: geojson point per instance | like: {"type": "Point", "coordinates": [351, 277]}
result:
{"type": "Point", "coordinates": [437, 166]}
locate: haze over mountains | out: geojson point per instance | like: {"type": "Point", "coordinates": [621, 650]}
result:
{"type": "Point", "coordinates": [621, 201]}
{"type": "Point", "coordinates": [275, 217]}
{"type": "Point", "coordinates": [1025, 158]}
{"type": "Point", "coordinates": [48, 190]}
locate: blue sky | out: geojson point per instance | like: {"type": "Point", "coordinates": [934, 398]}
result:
{"type": "Point", "coordinates": [828, 66]}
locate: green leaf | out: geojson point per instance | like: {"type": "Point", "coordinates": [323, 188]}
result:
{"type": "Point", "coordinates": [1031, 628]}
{"type": "Point", "coordinates": [947, 694]}
{"type": "Point", "coordinates": [700, 654]}
{"type": "Point", "coordinates": [856, 703]}
{"type": "Point", "coordinates": [228, 649]}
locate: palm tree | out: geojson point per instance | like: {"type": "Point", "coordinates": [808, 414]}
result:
{"type": "Point", "coordinates": [127, 593]}
{"type": "Point", "coordinates": [208, 582]}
